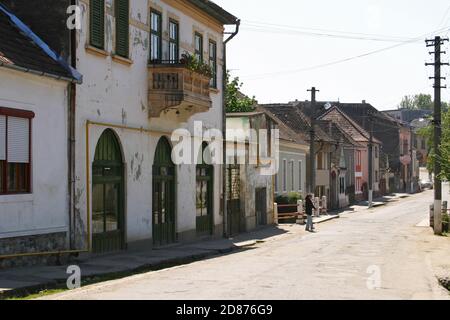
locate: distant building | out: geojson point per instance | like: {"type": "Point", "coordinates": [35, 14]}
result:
{"type": "Point", "coordinates": [298, 122]}
{"type": "Point", "coordinates": [250, 192]}
{"type": "Point", "coordinates": [360, 139]}
{"type": "Point", "coordinates": [408, 115]}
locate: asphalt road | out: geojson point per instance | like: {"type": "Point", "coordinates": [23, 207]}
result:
{"type": "Point", "coordinates": [380, 253]}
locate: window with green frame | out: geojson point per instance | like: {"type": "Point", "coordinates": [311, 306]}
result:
{"type": "Point", "coordinates": [155, 36]}
{"type": "Point", "coordinates": [97, 24]}
{"type": "Point", "coordinates": [213, 63]}
{"type": "Point", "coordinates": [198, 46]}
{"type": "Point", "coordinates": [174, 36]}
{"type": "Point", "coordinates": [122, 27]}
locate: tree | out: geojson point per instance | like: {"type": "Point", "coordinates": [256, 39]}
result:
{"type": "Point", "coordinates": [420, 101]}
{"type": "Point", "coordinates": [423, 101]}
{"type": "Point", "coordinates": [235, 100]}
{"type": "Point", "coordinates": [428, 133]}
{"type": "Point", "coordinates": [407, 103]}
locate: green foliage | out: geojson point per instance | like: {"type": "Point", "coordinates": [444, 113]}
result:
{"type": "Point", "coordinates": [193, 64]}
{"type": "Point", "coordinates": [294, 197]}
{"type": "Point", "coordinates": [281, 199]}
{"type": "Point", "coordinates": [290, 198]}
{"type": "Point", "coordinates": [428, 133]}
{"type": "Point", "coordinates": [420, 101]}
{"type": "Point", "coordinates": [235, 100]}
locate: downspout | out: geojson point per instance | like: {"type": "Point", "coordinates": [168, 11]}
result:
{"type": "Point", "coordinates": [71, 129]}
{"type": "Point", "coordinates": [224, 126]}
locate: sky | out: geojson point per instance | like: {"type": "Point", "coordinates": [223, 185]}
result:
{"type": "Point", "coordinates": [285, 47]}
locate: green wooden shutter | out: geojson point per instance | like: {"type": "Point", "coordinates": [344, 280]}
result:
{"type": "Point", "coordinates": [122, 27]}
{"type": "Point", "coordinates": [97, 23]}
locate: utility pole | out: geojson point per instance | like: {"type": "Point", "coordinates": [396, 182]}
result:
{"type": "Point", "coordinates": [413, 160]}
{"type": "Point", "coordinates": [370, 114]}
{"type": "Point", "coordinates": [436, 43]}
{"type": "Point", "coordinates": [312, 152]}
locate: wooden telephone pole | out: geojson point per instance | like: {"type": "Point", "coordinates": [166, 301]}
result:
{"type": "Point", "coordinates": [436, 43]}
{"type": "Point", "coordinates": [370, 114]}
{"type": "Point", "coordinates": [312, 152]}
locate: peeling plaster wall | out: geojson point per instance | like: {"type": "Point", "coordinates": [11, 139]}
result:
{"type": "Point", "coordinates": [45, 210]}
{"type": "Point", "coordinates": [116, 93]}
{"type": "Point", "coordinates": [252, 179]}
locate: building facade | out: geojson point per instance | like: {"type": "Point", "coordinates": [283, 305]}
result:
{"type": "Point", "coordinates": [250, 185]}
{"type": "Point", "coordinates": [33, 143]}
{"type": "Point", "coordinates": [138, 88]}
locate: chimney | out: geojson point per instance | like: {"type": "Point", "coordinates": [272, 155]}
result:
{"type": "Point", "coordinates": [364, 101]}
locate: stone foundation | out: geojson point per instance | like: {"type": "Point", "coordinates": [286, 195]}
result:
{"type": "Point", "coordinates": [32, 244]}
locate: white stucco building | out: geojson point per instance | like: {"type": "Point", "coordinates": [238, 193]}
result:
{"type": "Point", "coordinates": [138, 87]}
{"type": "Point", "coordinates": [34, 215]}
{"type": "Point", "coordinates": [128, 191]}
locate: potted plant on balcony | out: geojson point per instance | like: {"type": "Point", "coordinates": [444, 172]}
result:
{"type": "Point", "coordinates": [192, 63]}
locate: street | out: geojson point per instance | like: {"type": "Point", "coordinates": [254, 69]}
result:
{"type": "Point", "coordinates": [382, 253]}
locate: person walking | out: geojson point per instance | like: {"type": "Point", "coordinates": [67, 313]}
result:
{"type": "Point", "coordinates": [309, 206]}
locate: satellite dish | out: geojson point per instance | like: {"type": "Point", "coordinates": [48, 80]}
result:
{"type": "Point", "coordinates": [327, 106]}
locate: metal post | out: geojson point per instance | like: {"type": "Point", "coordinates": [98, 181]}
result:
{"type": "Point", "coordinates": [312, 152]}
{"type": "Point", "coordinates": [371, 162]}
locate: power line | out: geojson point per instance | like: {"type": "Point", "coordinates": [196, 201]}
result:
{"type": "Point", "coordinates": [444, 17]}
{"type": "Point", "coordinates": [256, 23]}
{"type": "Point", "coordinates": [271, 74]}
{"type": "Point", "coordinates": [330, 34]}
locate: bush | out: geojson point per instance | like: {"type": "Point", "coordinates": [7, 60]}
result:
{"type": "Point", "coordinates": [293, 197]}
{"type": "Point", "coordinates": [290, 198]}
{"type": "Point", "coordinates": [282, 199]}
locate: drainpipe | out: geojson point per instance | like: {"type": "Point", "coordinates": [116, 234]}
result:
{"type": "Point", "coordinates": [224, 126]}
{"type": "Point", "coordinates": [71, 131]}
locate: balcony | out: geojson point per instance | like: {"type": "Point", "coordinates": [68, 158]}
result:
{"type": "Point", "coordinates": [172, 86]}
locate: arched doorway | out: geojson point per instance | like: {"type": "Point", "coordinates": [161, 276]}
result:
{"type": "Point", "coordinates": [204, 193]}
{"type": "Point", "coordinates": [164, 198]}
{"type": "Point", "coordinates": [107, 195]}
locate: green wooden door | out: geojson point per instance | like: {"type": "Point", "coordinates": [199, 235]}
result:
{"type": "Point", "coordinates": [164, 198]}
{"type": "Point", "coordinates": [107, 196]}
{"type": "Point", "coordinates": [204, 196]}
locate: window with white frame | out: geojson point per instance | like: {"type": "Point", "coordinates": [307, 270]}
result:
{"type": "Point", "coordinates": [15, 151]}
{"type": "Point", "coordinates": [174, 41]}
{"type": "Point", "coordinates": [284, 175]}
{"type": "Point", "coordinates": [155, 36]}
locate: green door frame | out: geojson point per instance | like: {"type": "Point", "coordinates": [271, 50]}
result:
{"type": "Point", "coordinates": [164, 173]}
{"type": "Point", "coordinates": [204, 224]}
{"type": "Point", "coordinates": [108, 169]}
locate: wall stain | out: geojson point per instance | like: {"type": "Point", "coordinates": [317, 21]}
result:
{"type": "Point", "coordinates": [136, 166]}
{"type": "Point", "coordinates": [124, 116]}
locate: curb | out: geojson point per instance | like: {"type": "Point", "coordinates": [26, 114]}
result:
{"type": "Point", "coordinates": [328, 218]}
{"type": "Point", "coordinates": [25, 291]}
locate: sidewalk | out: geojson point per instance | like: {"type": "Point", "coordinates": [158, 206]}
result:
{"type": "Point", "coordinates": [18, 281]}
{"type": "Point", "coordinates": [26, 280]}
